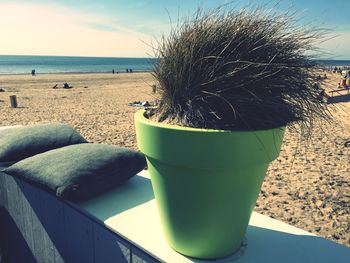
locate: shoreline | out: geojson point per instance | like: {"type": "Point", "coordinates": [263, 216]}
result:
{"type": "Point", "coordinates": [324, 67]}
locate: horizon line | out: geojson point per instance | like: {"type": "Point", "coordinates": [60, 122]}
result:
{"type": "Point", "coordinates": [75, 56]}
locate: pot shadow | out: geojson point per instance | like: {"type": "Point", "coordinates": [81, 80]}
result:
{"type": "Point", "coordinates": [266, 245]}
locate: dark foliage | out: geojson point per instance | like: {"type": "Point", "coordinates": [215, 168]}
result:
{"type": "Point", "coordinates": [238, 70]}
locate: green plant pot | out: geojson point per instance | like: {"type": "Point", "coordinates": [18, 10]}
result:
{"type": "Point", "coordinates": [206, 182]}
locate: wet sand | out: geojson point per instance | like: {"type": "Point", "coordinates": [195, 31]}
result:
{"type": "Point", "coordinates": [307, 186]}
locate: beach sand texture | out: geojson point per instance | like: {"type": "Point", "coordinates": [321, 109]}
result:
{"type": "Point", "coordinates": [308, 186]}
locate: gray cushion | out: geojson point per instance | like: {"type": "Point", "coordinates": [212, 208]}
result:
{"type": "Point", "coordinates": [21, 142]}
{"type": "Point", "coordinates": [79, 171]}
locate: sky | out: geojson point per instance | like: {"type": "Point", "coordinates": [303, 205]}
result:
{"type": "Point", "coordinates": [131, 28]}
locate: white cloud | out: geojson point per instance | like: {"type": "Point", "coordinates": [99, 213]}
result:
{"type": "Point", "coordinates": [55, 30]}
{"type": "Point", "coordinates": [338, 46]}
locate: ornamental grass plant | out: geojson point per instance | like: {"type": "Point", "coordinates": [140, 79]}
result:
{"type": "Point", "coordinates": [239, 70]}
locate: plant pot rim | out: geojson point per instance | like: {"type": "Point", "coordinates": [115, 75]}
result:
{"type": "Point", "coordinates": [159, 141]}
{"type": "Point", "coordinates": [140, 117]}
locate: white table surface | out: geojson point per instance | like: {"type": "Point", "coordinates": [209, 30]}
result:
{"type": "Point", "coordinates": [131, 212]}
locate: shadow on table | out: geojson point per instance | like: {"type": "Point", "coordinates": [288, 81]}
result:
{"type": "Point", "coordinates": [136, 191]}
{"type": "Point", "coordinates": [266, 245]}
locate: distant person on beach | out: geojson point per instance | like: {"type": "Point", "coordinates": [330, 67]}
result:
{"type": "Point", "coordinates": [343, 82]}
{"type": "Point", "coordinates": [130, 70]}
{"type": "Point", "coordinates": [127, 70]}
{"type": "Point", "coordinates": [113, 71]}
{"type": "Point", "coordinates": [67, 86]}
{"type": "Point", "coordinates": [33, 72]}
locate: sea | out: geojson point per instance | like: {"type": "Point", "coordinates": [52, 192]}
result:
{"type": "Point", "coordinates": [15, 64]}
{"type": "Point", "coordinates": [334, 63]}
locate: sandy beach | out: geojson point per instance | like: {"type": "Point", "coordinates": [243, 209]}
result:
{"type": "Point", "coordinates": [308, 186]}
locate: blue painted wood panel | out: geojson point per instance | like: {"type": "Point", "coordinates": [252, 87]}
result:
{"type": "Point", "coordinates": [45, 228]}
{"type": "Point", "coordinates": [109, 247]}
{"type": "Point", "coordinates": [79, 236]}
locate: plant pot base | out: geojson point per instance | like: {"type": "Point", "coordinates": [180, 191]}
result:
{"type": "Point", "coordinates": [204, 214]}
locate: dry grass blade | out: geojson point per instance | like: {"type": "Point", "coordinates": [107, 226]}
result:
{"type": "Point", "coordinates": [239, 70]}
